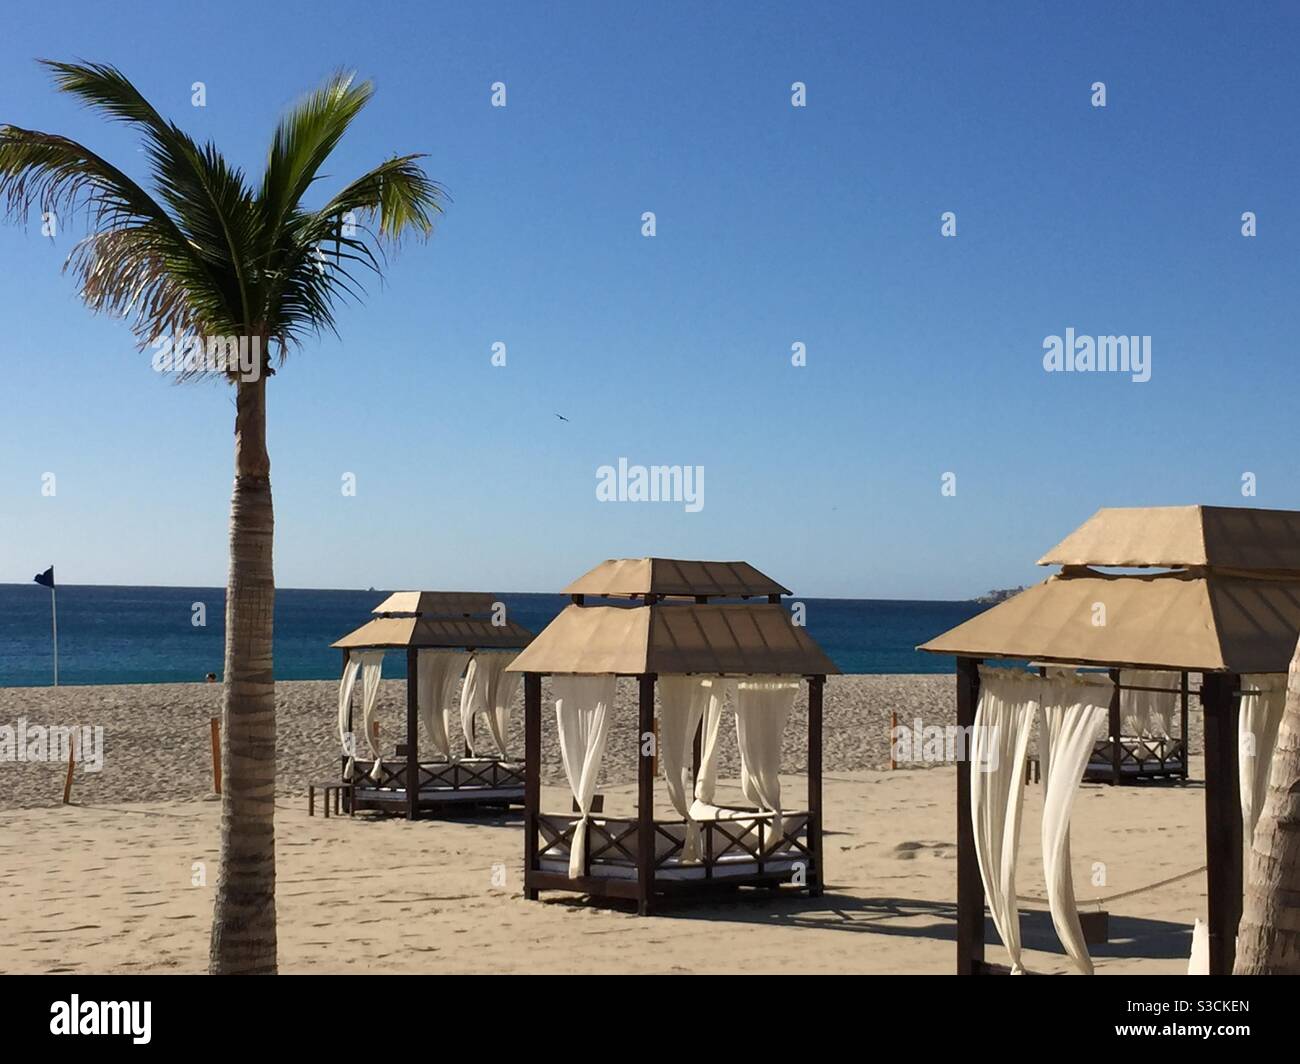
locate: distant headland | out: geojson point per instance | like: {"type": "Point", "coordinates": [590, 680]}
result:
{"type": "Point", "coordinates": [998, 594]}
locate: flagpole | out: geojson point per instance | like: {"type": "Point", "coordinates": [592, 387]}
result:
{"type": "Point", "coordinates": [54, 624]}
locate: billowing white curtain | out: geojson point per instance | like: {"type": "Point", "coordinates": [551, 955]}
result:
{"type": "Point", "coordinates": [1257, 727]}
{"type": "Point", "coordinates": [706, 782]}
{"type": "Point", "coordinates": [1073, 709]}
{"type": "Point", "coordinates": [1007, 704]}
{"type": "Point", "coordinates": [372, 662]}
{"type": "Point", "coordinates": [437, 673]}
{"type": "Point", "coordinates": [582, 705]}
{"type": "Point", "coordinates": [1199, 962]}
{"type": "Point", "coordinates": [763, 706]}
{"type": "Point", "coordinates": [489, 690]}
{"type": "Point", "coordinates": [683, 701]}
{"type": "Point", "coordinates": [1149, 713]}
{"type": "Point", "coordinates": [346, 687]}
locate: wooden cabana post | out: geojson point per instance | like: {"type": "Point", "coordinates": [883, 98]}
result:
{"type": "Point", "coordinates": [532, 773]}
{"type": "Point", "coordinates": [645, 794]}
{"type": "Point", "coordinates": [1220, 701]}
{"type": "Point", "coordinates": [1228, 601]}
{"type": "Point", "coordinates": [673, 626]}
{"type": "Point", "coordinates": [816, 684]}
{"type": "Point", "coordinates": [412, 734]}
{"type": "Point", "coordinates": [970, 888]}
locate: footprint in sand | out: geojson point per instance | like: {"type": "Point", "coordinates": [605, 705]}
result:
{"type": "Point", "coordinates": [908, 851]}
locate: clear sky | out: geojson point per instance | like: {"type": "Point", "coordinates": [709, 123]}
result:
{"type": "Point", "coordinates": [775, 225]}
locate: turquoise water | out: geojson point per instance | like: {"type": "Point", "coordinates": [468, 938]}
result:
{"type": "Point", "coordinates": [146, 634]}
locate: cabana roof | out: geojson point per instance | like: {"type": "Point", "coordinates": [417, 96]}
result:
{"type": "Point", "coordinates": [436, 603]}
{"type": "Point", "coordinates": [388, 633]}
{"type": "Point", "coordinates": [1194, 621]}
{"type": "Point", "coordinates": [1223, 537]}
{"type": "Point", "coordinates": [671, 577]}
{"type": "Point", "coordinates": [673, 639]}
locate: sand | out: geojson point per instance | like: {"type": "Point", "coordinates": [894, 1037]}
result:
{"type": "Point", "coordinates": [121, 881]}
{"type": "Point", "coordinates": [157, 744]}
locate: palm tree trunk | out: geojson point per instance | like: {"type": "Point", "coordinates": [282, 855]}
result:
{"type": "Point", "coordinates": [243, 920]}
{"type": "Point", "coordinates": [1268, 941]}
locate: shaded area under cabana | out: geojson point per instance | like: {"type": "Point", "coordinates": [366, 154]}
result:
{"type": "Point", "coordinates": [1222, 612]}
{"type": "Point", "coordinates": [443, 635]}
{"type": "Point", "coordinates": [693, 652]}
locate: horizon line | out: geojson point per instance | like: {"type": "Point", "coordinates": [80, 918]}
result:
{"type": "Point", "coordinates": [219, 587]}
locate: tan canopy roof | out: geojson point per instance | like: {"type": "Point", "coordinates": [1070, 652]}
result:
{"type": "Point", "coordinates": [431, 632]}
{"type": "Point", "coordinates": [1224, 537]}
{"type": "Point", "coordinates": [670, 576]}
{"type": "Point", "coordinates": [437, 603]}
{"type": "Point", "coordinates": [674, 639]}
{"type": "Point", "coordinates": [1195, 621]}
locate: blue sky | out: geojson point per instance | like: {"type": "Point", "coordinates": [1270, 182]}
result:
{"type": "Point", "coordinates": [775, 225]}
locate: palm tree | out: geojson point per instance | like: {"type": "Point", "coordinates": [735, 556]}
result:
{"type": "Point", "coordinates": [210, 256]}
{"type": "Point", "coordinates": [1268, 938]}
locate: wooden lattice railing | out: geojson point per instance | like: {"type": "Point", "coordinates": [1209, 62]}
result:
{"type": "Point", "coordinates": [1145, 754]}
{"type": "Point", "coordinates": [466, 775]}
{"type": "Point", "coordinates": [614, 841]}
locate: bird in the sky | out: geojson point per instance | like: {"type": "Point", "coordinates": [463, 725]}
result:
{"type": "Point", "coordinates": [562, 417]}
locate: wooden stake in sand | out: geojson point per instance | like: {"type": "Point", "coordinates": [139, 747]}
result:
{"type": "Point", "coordinates": [216, 755]}
{"type": "Point", "coordinates": [893, 739]}
{"type": "Point", "coordinates": [67, 783]}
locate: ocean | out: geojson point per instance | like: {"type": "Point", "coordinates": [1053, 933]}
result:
{"type": "Point", "coordinates": [147, 634]}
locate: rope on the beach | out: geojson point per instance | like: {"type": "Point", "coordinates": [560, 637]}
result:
{"type": "Point", "coordinates": [1123, 893]}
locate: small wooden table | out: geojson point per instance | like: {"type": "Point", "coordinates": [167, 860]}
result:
{"type": "Point", "coordinates": [328, 786]}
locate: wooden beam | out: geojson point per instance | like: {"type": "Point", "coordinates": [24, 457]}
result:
{"type": "Point", "coordinates": [1115, 726]}
{"type": "Point", "coordinates": [970, 888]}
{"type": "Point", "coordinates": [1184, 694]}
{"type": "Point", "coordinates": [816, 874]}
{"type": "Point", "coordinates": [349, 728]}
{"type": "Point", "coordinates": [532, 776]}
{"type": "Point", "coordinates": [412, 733]}
{"type": "Point", "coordinates": [72, 763]}
{"type": "Point", "coordinates": [645, 795]}
{"type": "Point", "coordinates": [1220, 703]}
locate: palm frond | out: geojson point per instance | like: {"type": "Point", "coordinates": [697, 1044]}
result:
{"type": "Point", "coordinates": [319, 255]}
{"type": "Point", "coordinates": [303, 141]}
{"type": "Point", "coordinates": [60, 176]}
{"type": "Point", "coordinates": [208, 199]}
{"type": "Point", "coordinates": [206, 255]}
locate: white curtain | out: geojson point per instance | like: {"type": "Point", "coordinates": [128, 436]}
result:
{"type": "Point", "coordinates": [1007, 704]}
{"type": "Point", "coordinates": [763, 706]}
{"type": "Point", "coordinates": [706, 783]}
{"type": "Point", "coordinates": [350, 669]}
{"type": "Point", "coordinates": [683, 701]}
{"type": "Point", "coordinates": [438, 671]}
{"type": "Point", "coordinates": [489, 690]}
{"type": "Point", "coordinates": [1073, 709]}
{"type": "Point", "coordinates": [371, 667]}
{"type": "Point", "coordinates": [1199, 962]}
{"type": "Point", "coordinates": [582, 705]}
{"type": "Point", "coordinates": [1149, 713]}
{"type": "Point", "coordinates": [1257, 727]}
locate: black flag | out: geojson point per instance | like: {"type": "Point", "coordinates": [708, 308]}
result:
{"type": "Point", "coordinates": [45, 579]}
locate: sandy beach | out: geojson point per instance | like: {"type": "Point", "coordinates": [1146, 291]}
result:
{"type": "Point", "coordinates": [121, 881]}
{"type": "Point", "coordinates": [157, 744]}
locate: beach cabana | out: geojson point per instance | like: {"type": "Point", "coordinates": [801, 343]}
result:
{"type": "Point", "coordinates": [1214, 611]}
{"type": "Point", "coordinates": [671, 634]}
{"type": "Point", "coordinates": [444, 636]}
